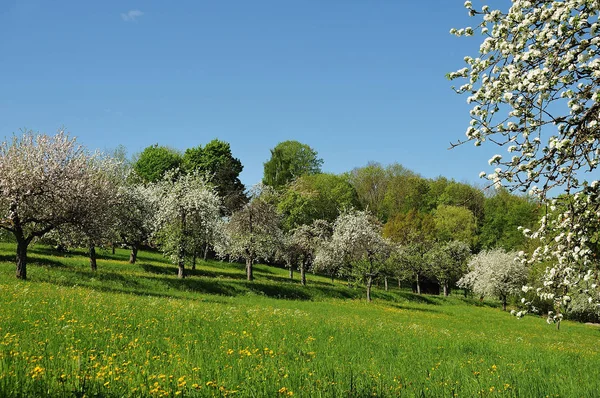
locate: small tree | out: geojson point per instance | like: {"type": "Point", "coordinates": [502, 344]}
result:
{"type": "Point", "coordinates": [95, 223]}
{"type": "Point", "coordinates": [448, 262]}
{"type": "Point", "coordinates": [44, 182]}
{"type": "Point", "coordinates": [357, 237]}
{"type": "Point", "coordinates": [495, 273]}
{"type": "Point", "coordinates": [253, 232]}
{"type": "Point", "coordinates": [136, 216]}
{"type": "Point", "coordinates": [306, 240]}
{"type": "Point", "coordinates": [188, 209]}
{"type": "Point", "coordinates": [410, 261]}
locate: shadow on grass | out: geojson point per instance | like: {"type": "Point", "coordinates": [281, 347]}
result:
{"type": "Point", "coordinates": [417, 309]}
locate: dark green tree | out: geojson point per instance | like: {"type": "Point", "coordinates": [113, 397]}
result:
{"type": "Point", "coordinates": [223, 170]}
{"type": "Point", "coordinates": [504, 214]}
{"type": "Point", "coordinates": [154, 161]}
{"type": "Point", "coordinates": [290, 160]}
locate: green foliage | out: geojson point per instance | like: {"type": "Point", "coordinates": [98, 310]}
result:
{"type": "Point", "coordinates": [504, 214]}
{"type": "Point", "coordinates": [411, 227]}
{"type": "Point", "coordinates": [314, 197]}
{"type": "Point", "coordinates": [455, 223]}
{"type": "Point", "coordinates": [290, 160]}
{"type": "Point", "coordinates": [154, 161]}
{"type": "Point", "coordinates": [217, 161]}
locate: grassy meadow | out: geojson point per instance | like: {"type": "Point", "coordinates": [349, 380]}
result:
{"type": "Point", "coordinates": [136, 330]}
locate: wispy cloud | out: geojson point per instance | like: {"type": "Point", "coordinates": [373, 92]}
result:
{"type": "Point", "coordinates": [131, 15]}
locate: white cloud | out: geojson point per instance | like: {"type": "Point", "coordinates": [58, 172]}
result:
{"type": "Point", "coordinates": [131, 15]}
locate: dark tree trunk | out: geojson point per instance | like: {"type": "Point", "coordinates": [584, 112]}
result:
{"type": "Point", "coordinates": [92, 252]}
{"type": "Point", "coordinates": [22, 244]}
{"type": "Point", "coordinates": [303, 274]}
{"type": "Point", "coordinates": [332, 278]}
{"type": "Point", "coordinates": [503, 303]}
{"type": "Point", "coordinates": [194, 260]}
{"type": "Point", "coordinates": [134, 253]}
{"type": "Point", "coordinates": [291, 271]}
{"type": "Point", "coordinates": [418, 285]}
{"type": "Point", "coordinates": [113, 248]}
{"type": "Point", "coordinates": [385, 283]}
{"type": "Point", "coordinates": [249, 275]}
{"type": "Point", "coordinates": [369, 284]}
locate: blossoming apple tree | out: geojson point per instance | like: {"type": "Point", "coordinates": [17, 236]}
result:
{"type": "Point", "coordinates": [535, 91]}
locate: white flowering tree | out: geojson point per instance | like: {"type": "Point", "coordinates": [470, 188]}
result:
{"type": "Point", "coordinates": [357, 240]}
{"type": "Point", "coordinates": [94, 224]}
{"type": "Point", "coordinates": [188, 211]}
{"type": "Point", "coordinates": [535, 91]}
{"type": "Point", "coordinates": [495, 273]}
{"type": "Point", "coordinates": [253, 232]}
{"type": "Point", "coordinates": [448, 262]}
{"type": "Point", "coordinates": [136, 216]}
{"type": "Point", "coordinates": [305, 241]}
{"type": "Point", "coordinates": [44, 181]}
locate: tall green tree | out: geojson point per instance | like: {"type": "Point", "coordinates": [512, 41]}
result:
{"type": "Point", "coordinates": [223, 170]}
{"type": "Point", "coordinates": [504, 214]}
{"type": "Point", "coordinates": [290, 160]}
{"type": "Point", "coordinates": [455, 223]}
{"type": "Point", "coordinates": [314, 197]}
{"type": "Point", "coordinates": [154, 161]}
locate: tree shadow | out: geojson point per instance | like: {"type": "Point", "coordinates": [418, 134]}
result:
{"type": "Point", "coordinates": [403, 307]}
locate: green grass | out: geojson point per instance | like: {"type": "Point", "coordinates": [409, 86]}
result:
{"type": "Point", "coordinates": [136, 330]}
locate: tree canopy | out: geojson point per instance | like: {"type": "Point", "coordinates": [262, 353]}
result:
{"type": "Point", "coordinates": [154, 161]}
{"type": "Point", "coordinates": [290, 160]}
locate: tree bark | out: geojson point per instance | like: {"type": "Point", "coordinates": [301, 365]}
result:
{"type": "Point", "coordinates": [113, 248]}
{"type": "Point", "coordinates": [22, 258]}
{"type": "Point", "coordinates": [303, 274]}
{"type": "Point", "coordinates": [503, 303]}
{"type": "Point", "coordinates": [385, 283]}
{"type": "Point", "coordinates": [369, 284]}
{"type": "Point", "coordinates": [291, 272]}
{"type": "Point", "coordinates": [249, 275]}
{"type": "Point", "coordinates": [133, 254]}
{"type": "Point", "coordinates": [445, 285]}
{"type": "Point", "coordinates": [418, 285]}
{"type": "Point", "coordinates": [92, 253]}
{"type": "Point", "coordinates": [194, 260]}
{"type": "Point", "coordinates": [399, 284]}
{"type": "Point", "coordinates": [181, 262]}
{"type": "Point", "coordinates": [205, 251]}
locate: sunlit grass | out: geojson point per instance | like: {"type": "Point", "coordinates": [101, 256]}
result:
{"type": "Point", "coordinates": [136, 330]}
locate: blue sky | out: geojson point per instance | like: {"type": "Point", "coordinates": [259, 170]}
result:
{"type": "Point", "coordinates": [356, 80]}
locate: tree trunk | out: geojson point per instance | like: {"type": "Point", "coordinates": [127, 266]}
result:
{"type": "Point", "coordinates": [22, 258]}
{"type": "Point", "coordinates": [399, 283]}
{"type": "Point", "coordinates": [93, 264]}
{"type": "Point", "coordinates": [194, 260]}
{"type": "Point", "coordinates": [291, 272]}
{"type": "Point", "coordinates": [205, 251]}
{"type": "Point", "coordinates": [503, 303]}
{"type": "Point", "coordinates": [445, 285]}
{"type": "Point", "coordinates": [113, 248]}
{"type": "Point", "coordinates": [418, 285]}
{"type": "Point", "coordinates": [303, 274]}
{"type": "Point", "coordinates": [369, 284]}
{"type": "Point", "coordinates": [181, 263]}
{"type": "Point", "coordinates": [133, 254]}
{"type": "Point", "coordinates": [385, 283]}
{"type": "Point", "coordinates": [249, 275]}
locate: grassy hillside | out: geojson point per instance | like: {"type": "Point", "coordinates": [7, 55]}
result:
{"type": "Point", "coordinates": [136, 330]}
